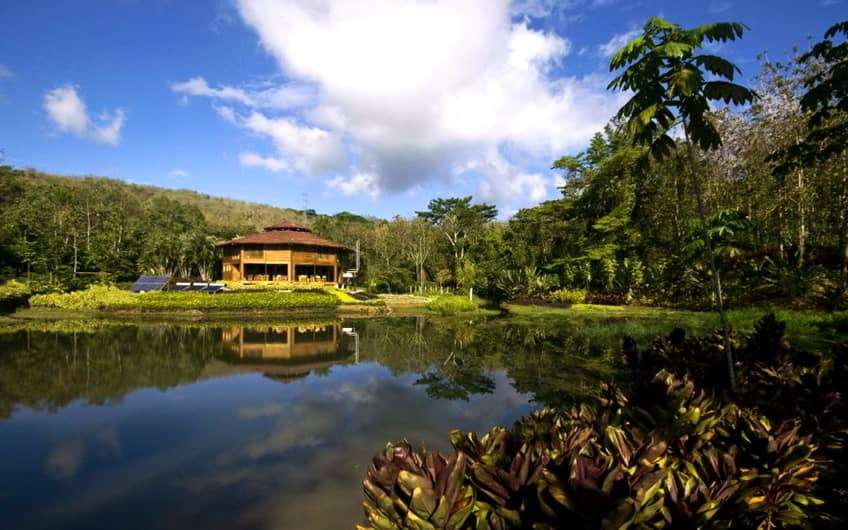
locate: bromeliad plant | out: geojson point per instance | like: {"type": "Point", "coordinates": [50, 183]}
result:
{"type": "Point", "coordinates": [662, 454]}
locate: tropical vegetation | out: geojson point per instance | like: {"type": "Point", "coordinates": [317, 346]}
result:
{"type": "Point", "coordinates": [673, 449]}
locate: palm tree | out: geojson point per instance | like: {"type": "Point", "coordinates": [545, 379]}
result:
{"type": "Point", "coordinates": [673, 85]}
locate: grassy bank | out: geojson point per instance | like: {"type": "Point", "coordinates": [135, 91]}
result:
{"type": "Point", "coordinates": [447, 305]}
{"type": "Point", "coordinates": [105, 298]}
{"type": "Point", "coordinates": [637, 322]}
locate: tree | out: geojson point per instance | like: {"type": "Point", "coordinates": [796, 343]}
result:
{"type": "Point", "coordinates": [459, 221]}
{"type": "Point", "coordinates": [669, 81]}
{"type": "Point", "coordinates": [826, 104]}
{"type": "Point", "coordinates": [419, 243]}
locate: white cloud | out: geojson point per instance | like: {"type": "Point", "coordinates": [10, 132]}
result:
{"type": "Point", "coordinates": [275, 97]}
{"type": "Point", "coordinates": [268, 162]}
{"type": "Point", "coordinates": [226, 112]}
{"type": "Point", "coordinates": [69, 113]}
{"type": "Point", "coordinates": [534, 50]}
{"type": "Point", "coordinates": [617, 41]}
{"type": "Point", "coordinates": [357, 184]}
{"type": "Point", "coordinates": [178, 174]}
{"type": "Point", "coordinates": [508, 185]}
{"type": "Point", "coordinates": [533, 8]}
{"type": "Point", "coordinates": [404, 93]}
{"type": "Point", "coordinates": [548, 8]}
{"type": "Point", "coordinates": [310, 150]}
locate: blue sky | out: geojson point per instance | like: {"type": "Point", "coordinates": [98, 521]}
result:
{"type": "Point", "coordinates": [369, 106]}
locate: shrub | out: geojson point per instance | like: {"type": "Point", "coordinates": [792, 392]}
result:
{"type": "Point", "coordinates": [13, 293]}
{"type": "Point", "coordinates": [100, 297]}
{"type": "Point", "coordinates": [606, 298]}
{"type": "Point", "coordinates": [451, 305]}
{"type": "Point", "coordinates": [567, 296]}
{"type": "Point", "coordinates": [95, 297]}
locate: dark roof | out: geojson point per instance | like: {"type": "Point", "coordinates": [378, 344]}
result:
{"type": "Point", "coordinates": [287, 225]}
{"type": "Point", "coordinates": [284, 233]}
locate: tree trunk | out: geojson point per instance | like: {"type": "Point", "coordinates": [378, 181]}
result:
{"type": "Point", "coordinates": [696, 189]}
{"type": "Point", "coordinates": [843, 233]}
{"type": "Point", "coordinates": [802, 222]}
{"type": "Point", "coordinates": [75, 254]}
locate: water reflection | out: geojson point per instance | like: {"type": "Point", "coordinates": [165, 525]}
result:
{"type": "Point", "coordinates": [285, 351]}
{"type": "Point", "coordinates": [260, 425]}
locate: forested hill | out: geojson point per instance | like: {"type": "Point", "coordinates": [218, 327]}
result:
{"type": "Point", "coordinates": [219, 212]}
{"type": "Point", "coordinates": [59, 226]}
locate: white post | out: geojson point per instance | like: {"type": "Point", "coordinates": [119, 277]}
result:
{"type": "Point", "coordinates": [471, 294]}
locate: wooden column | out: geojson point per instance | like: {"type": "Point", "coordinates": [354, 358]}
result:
{"type": "Point", "coordinates": [241, 264]}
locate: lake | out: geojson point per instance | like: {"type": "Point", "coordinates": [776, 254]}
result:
{"type": "Point", "coordinates": [270, 425]}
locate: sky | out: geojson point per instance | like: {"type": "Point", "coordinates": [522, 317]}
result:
{"type": "Point", "coordinates": [368, 106]}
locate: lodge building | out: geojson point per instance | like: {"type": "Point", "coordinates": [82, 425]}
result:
{"type": "Point", "coordinates": [283, 252]}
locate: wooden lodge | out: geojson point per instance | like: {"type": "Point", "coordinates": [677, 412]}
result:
{"type": "Point", "coordinates": [283, 252]}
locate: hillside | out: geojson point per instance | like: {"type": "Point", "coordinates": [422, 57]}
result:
{"type": "Point", "coordinates": [218, 211]}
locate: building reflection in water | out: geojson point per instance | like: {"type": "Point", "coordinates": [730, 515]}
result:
{"type": "Point", "coordinates": [287, 351]}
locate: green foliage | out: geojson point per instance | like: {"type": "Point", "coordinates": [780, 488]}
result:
{"type": "Point", "coordinates": [459, 221]}
{"type": "Point", "coordinates": [825, 102]}
{"type": "Point", "coordinates": [467, 276]}
{"type": "Point", "coordinates": [95, 297]}
{"type": "Point", "coordinates": [13, 293]}
{"type": "Point", "coordinates": [101, 297]}
{"type": "Point", "coordinates": [662, 69]}
{"type": "Point", "coordinates": [567, 296]}
{"type": "Point", "coordinates": [451, 305]}
{"type": "Point", "coordinates": [392, 280]}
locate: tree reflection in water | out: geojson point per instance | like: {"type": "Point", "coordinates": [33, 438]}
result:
{"type": "Point", "coordinates": [48, 366]}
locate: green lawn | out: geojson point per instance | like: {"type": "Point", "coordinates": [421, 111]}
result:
{"type": "Point", "coordinates": [647, 322]}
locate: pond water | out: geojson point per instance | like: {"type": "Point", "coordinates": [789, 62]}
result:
{"type": "Point", "coordinates": [252, 425]}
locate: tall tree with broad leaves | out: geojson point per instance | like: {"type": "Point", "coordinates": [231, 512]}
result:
{"type": "Point", "coordinates": [673, 84]}
{"type": "Point", "coordinates": [459, 221]}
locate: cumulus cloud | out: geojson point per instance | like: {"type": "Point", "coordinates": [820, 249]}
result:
{"type": "Point", "coordinates": [617, 41]}
{"type": "Point", "coordinates": [507, 184]}
{"type": "Point", "coordinates": [268, 162]}
{"type": "Point", "coordinates": [357, 184]}
{"type": "Point", "coordinates": [178, 173]}
{"type": "Point", "coordinates": [310, 150]}
{"type": "Point", "coordinates": [68, 112]}
{"type": "Point", "coordinates": [404, 94]}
